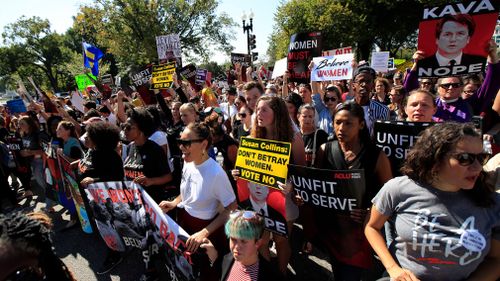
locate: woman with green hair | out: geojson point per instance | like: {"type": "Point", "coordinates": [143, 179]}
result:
{"type": "Point", "coordinates": [244, 230]}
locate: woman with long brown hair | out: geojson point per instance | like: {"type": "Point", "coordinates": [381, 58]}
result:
{"type": "Point", "coordinates": [272, 122]}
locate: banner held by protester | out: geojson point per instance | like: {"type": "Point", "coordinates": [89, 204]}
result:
{"type": "Point", "coordinates": [163, 76]}
{"type": "Point", "coordinates": [338, 51]}
{"type": "Point", "coordinates": [380, 61]}
{"type": "Point", "coordinates": [263, 161]}
{"type": "Point", "coordinates": [302, 49]}
{"type": "Point", "coordinates": [332, 68]}
{"type": "Point", "coordinates": [76, 192]}
{"type": "Point", "coordinates": [340, 191]}
{"type": "Point", "coordinates": [396, 138]}
{"type": "Point", "coordinates": [453, 38]}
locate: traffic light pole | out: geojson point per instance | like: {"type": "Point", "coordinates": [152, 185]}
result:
{"type": "Point", "coordinates": [247, 28]}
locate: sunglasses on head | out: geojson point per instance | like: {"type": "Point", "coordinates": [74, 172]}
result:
{"type": "Point", "coordinates": [453, 85]}
{"type": "Point", "coordinates": [247, 215]}
{"type": "Point", "coordinates": [327, 99]}
{"type": "Point", "coordinates": [242, 115]}
{"type": "Point", "coordinates": [467, 159]}
{"type": "Point", "coordinates": [187, 143]}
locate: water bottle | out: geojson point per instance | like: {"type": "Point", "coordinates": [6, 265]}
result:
{"type": "Point", "coordinates": [220, 159]}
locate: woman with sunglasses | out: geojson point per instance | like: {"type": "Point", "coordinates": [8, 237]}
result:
{"type": "Point", "coordinates": [244, 230]}
{"type": "Point", "coordinates": [204, 186]}
{"type": "Point", "coordinates": [326, 103]}
{"type": "Point", "coordinates": [342, 236]}
{"type": "Point", "coordinates": [146, 162]}
{"type": "Point", "coordinates": [243, 129]}
{"type": "Point", "coordinates": [445, 221]}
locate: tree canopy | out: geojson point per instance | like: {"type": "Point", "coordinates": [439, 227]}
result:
{"type": "Point", "coordinates": [128, 28]}
{"type": "Point", "coordinates": [361, 24]}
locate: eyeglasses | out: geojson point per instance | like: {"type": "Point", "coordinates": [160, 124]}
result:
{"type": "Point", "coordinates": [247, 215]}
{"type": "Point", "coordinates": [187, 143]}
{"type": "Point", "coordinates": [362, 83]}
{"type": "Point", "coordinates": [242, 115]}
{"type": "Point", "coordinates": [467, 159]}
{"type": "Point", "coordinates": [327, 99]}
{"type": "Point", "coordinates": [453, 85]}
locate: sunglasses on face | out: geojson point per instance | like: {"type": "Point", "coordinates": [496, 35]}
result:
{"type": "Point", "coordinates": [187, 143]}
{"type": "Point", "coordinates": [327, 99]}
{"type": "Point", "coordinates": [467, 159]}
{"type": "Point", "coordinates": [242, 115]}
{"type": "Point", "coordinates": [453, 85]}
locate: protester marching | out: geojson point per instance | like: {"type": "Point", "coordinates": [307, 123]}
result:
{"type": "Point", "coordinates": [388, 174]}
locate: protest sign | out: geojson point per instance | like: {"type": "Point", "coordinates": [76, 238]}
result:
{"type": "Point", "coordinates": [163, 76]}
{"type": "Point", "coordinates": [141, 77]}
{"type": "Point", "coordinates": [119, 214]}
{"type": "Point", "coordinates": [83, 81]}
{"type": "Point", "coordinates": [379, 61]}
{"type": "Point", "coordinates": [390, 64]}
{"type": "Point", "coordinates": [169, 47]}
{"type": "Point", "coordinates": [16, 106]}
{"type": "Point", "coordinates": [77, 101]}
{"type": "Point", "coordinates": [170, 237]}
{"type": "Point", "coordinates": [107, 80]}
{"type": "Point", "coordinates": [303, 47]}
{"type": "Point", "coordinates": [188, 73]}
{"type": "Point", "coordinates": [268, 202]}
{"type": "Point", "coordinates": [395, 138]}
{"type": "Point", "coordinates": [53, 178]}
{"type": "Point", "coordinates": [81, 203]}
{"type": "Point", "coordinates": [332, 68]}
{"type": "Point", "coordinates": [127, 217]}
{"type": "Point", "coordinates": [201, 77]}
{"type": "Point", "coordinates": [242, 59]}
{"type": "Point", "coordinates": [23, 93]}
{"type": "Point", "coordinates": [279, 68]}
{"type": "Point", "coordinates": [341, 191]}
{"type": "Point", "coordinates": [339, 51]}
{"type": "Point", "coordinates": [263, 161]}
{"type": "Point", "coordinates": [453, 37]}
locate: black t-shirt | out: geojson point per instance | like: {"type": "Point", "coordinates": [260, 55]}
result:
{"type": "Point", "coordinates": [4, 133]}
{"type": "Point", "coordinates": [239, 132]}
{"type": "Point", "coordinates": [148, 160]}
{"type": "Point", "coordinates": [101, 165]}
{"type": "Point", "coordinates": [321, 138]}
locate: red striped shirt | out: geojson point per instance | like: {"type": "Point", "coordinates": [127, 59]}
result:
{"type": "Point", "coordinates": [240, 272]}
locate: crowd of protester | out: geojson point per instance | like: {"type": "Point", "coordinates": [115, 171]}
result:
{"type": "Point", "coordinates": [173, 147]}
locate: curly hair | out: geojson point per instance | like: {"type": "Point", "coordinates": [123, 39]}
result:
{"type": "Point", "coordinates": [104, 135]}
{"type": "Point", "coordinates": [143, 119]}
{"type": "Point", "coordinates": [282, 124]}
{"type": "Point", "coordinates": [29, 234]}
{"type": "Point", "coordinates": [435, 143]}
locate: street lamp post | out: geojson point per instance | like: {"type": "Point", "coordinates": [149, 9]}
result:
{"type": "Point", "coordinates": [248, 28]}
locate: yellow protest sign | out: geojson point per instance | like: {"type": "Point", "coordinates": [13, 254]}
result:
{"type": "Point", "coordinates": [162, 76]}
{"type": "Point", "coordinates": [263, 161]}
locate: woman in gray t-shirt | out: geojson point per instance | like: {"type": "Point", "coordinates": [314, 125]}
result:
{"type": "Point", "coordinates": [444, 220]}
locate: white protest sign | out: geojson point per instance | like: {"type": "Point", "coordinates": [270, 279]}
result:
{"type": "Point", "coordinates": [379, 61]}
{"type": "Point", "coordinates": [279, 68]}
{"type": "Point", "coordinates": [339, 51]}
{"type": "Point", "coordinates": [168, 46]}
{"type": "Point", "coordinates": [77, 100]}
{"type": "Point", "coordinates": [332, 68]}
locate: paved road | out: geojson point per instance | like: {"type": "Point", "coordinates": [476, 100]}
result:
{"type": "Point", "coordinates": [84, 253]}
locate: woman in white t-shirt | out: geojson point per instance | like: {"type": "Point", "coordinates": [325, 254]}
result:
{"type": "Point", "coordinates": [204, 186]}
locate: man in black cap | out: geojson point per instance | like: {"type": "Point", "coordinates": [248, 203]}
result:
{"type": "Point", "coordinates": [363, 86]}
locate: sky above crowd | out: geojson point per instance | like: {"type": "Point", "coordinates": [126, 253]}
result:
{"type": "Point", "coordinates": [60, 13]}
